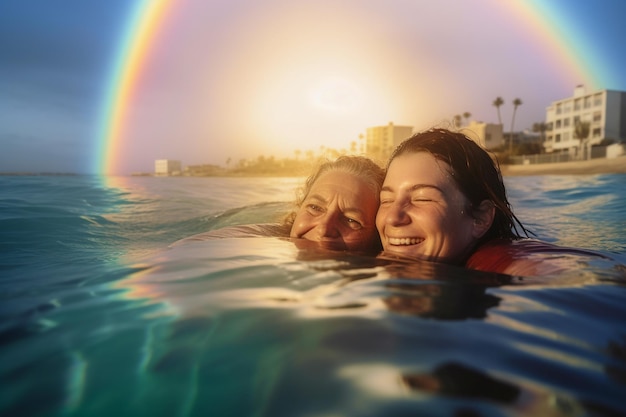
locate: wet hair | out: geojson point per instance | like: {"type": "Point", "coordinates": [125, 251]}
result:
{"type": "Point", "coordinates": [475, 172]}
{"type": "Point", "coordinates": [359, 166]}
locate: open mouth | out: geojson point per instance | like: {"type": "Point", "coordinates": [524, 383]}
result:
{"type": "Point", "coordinates": [404, 241]}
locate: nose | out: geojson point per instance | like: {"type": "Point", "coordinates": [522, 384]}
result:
{"type": "Point", "coordinates": [395, 214]}
{"type": "Point", "coordinates": [328, 226]}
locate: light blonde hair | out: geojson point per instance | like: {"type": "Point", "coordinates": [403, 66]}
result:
{"type": "Point", "coordinates": [359, 166]}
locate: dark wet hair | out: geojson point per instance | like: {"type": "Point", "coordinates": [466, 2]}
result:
{"type": "Point", "coordinates": [359, 166]}
{"type": "Point", "coordinates": [475, 172]}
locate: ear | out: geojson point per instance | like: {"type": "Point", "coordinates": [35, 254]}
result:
{"type": "Point", "coordinates": [483, 218]}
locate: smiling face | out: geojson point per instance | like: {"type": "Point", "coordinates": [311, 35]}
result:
{"type": "Point", "coordinates": [423, 213]}
{"type": "Point", "coordinates": [340, 211]}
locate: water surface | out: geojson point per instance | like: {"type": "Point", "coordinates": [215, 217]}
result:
{"type": "Point", "coordinates": [100, 317]}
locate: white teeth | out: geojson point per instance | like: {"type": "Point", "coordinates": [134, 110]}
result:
{"type": "Point", "coordinates": [404, 241]}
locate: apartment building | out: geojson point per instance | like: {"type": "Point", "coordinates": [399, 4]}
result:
{"type": "Point", "coordinates": [605, 110]}
{"type": "Point", "coordinates": [487, 135]}
{"type": "Point", "coordinates": [167, 167]}
{"type": "Point", "coordinates": [380, 141]}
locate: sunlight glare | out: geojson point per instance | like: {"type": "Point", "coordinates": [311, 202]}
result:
{"type": "Point", "coordinates": [336, 95]}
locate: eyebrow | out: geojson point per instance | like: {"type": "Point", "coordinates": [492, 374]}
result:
{"type": "Point", "coordinates": [316, 197]}
{"type": "Point", "coordinates": [347, 210]}
{"type": "Point", "coordinates": [413, 188]}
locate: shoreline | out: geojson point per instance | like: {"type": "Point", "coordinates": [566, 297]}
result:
{"type": "Point", "coordinates": [615, 165]}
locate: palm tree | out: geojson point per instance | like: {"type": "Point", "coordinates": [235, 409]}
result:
{"type": "Point", "coordinates": [467, 115]}
{"type": "Point", "coordinates": [498, 102]}
{"type": "Point", "coordinates": [581, 132]}
{"type": "Point", "coordinates": [516, 103]}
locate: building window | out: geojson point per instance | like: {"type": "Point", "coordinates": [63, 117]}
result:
{"type": "Point", "coordinates": [597, 132]}
{"type": "Point", "coordinates": [565, 136]}
{"type": "Point", "coordinates": [566, 122]}
{"type": "Point", "coordinates": [597, 116]}
{"type": "Point", "coordinates": [567, 108]}
{"type": "Point", "coordinates": [577, 104]}
{"type": "Point", "coordinates": [558, 124]}
{"type": "Point", "coordinates": [587, 102]}
{"type": "Point", "coordinates": [557, 137]}
{"type": "Point", "coordinates": [576, 120]}
{"type": "Point", "coordinates": [558, 108]}
{"type": "Point", "coordinates": [597, 99]}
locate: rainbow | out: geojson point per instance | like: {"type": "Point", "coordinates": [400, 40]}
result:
{"type": "Point", "coordinates": [562, 42]}
{"type": "Point", "coordinates": [542, 20]}
{"type": "Point", "coordinates": [143, 23]}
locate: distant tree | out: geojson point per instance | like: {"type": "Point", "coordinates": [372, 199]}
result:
{"type": "Point", "coordinates": [581, 132]}
{"type": "Point", "coordinates": [606, 142]}
{"type": "Point", "coordinates": [297, 152]}
{"type": "Point", "coordinates": [498, 102]}
{"type": "Point", "coordinates": [516, 103]}
{"type": "Point", "coordinates": [467, 116]}
{"type": "Point", "coordinates": [528, 148]}
{"type": "Point", "coordinates": [541, 128]}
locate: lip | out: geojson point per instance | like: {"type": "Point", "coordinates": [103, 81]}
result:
{"type": "Point", "coordinates": [404, 241]}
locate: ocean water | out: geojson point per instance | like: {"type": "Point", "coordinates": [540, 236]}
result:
{"type": "Point", "coordinates": [99, 316]}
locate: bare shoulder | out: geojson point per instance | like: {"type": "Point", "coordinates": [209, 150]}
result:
{"type": "Point", "coordinates": [528, 257]}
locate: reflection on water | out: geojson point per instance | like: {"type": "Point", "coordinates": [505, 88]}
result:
{"type": "Point", "coordinates": [100, 317]}
{"type": "Point", "coordinates": [394, 337]}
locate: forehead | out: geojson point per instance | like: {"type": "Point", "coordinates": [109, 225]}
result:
{"type": "Point", "coordinates": [341, 183]}
{"type": "Point", "coordinates": [419, 168]}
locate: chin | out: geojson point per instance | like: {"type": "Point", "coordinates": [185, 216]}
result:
{"type": "Point", "coordinates": [405, 251]}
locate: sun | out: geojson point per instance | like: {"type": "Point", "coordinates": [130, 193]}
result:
{"type": "Point", "coordinates": [336, 95]}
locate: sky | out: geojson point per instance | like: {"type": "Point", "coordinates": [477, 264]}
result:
{"type": "Point", "coordinates": [224, 80]}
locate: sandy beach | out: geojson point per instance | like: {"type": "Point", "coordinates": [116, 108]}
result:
{"type": "Point", "coordinates": [593, 166]}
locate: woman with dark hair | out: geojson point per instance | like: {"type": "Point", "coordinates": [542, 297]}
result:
{"type": "Point", "coordinates": [443, 199]}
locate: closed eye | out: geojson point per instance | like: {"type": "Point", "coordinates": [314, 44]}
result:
{"type": "Point", "coordinates": [388, 198]}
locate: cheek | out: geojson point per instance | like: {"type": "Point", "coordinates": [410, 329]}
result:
{"type": "Point", "coordinates": [360, 240]}
{"type": "Point", "coordinates": [434, 218]}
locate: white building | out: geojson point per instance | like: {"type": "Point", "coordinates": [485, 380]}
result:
{"type": "Point", "coordinates": [605, 110]}
{"type": "Point", "coordinates": [487, 135]}
{"type": "Point", "coordinates": [167, 167]}
{"type": "Point", "coordinates": [380, 141]}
